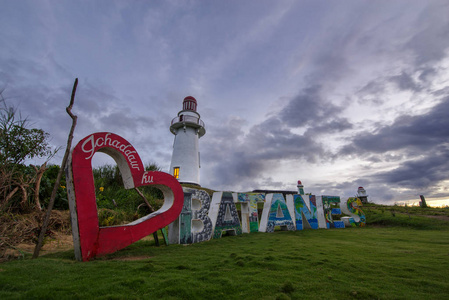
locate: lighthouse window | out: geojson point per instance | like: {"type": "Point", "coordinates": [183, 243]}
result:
{"type": "Point", "coordinates": [176, 172]}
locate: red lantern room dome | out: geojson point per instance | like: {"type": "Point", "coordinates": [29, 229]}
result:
{"type": "Point", "coordinates": [189, 103]}
{"type": "Point", "coordinates": [299, 182]}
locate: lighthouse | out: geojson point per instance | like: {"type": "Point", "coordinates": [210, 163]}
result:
{"type": "Point", "coordinates": [187, 128]}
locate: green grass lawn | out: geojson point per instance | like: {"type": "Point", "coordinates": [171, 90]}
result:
{"type": "Point", "coordinates": [361, 263]}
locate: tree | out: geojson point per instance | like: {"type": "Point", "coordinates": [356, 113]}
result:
{"type": "Point", "coordinates": [18, 142]}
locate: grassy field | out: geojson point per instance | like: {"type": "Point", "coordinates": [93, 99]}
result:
{"type": "Point", "coordinates": [388, 259]}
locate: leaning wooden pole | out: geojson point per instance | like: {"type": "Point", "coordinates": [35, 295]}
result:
{"type": "Point", "coordinates": [58, 178]}
{"type": "Point", "coordinates": [156, 239]}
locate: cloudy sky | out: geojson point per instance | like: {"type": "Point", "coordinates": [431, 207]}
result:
{"type": "Point", "coordinates": [338, 94]}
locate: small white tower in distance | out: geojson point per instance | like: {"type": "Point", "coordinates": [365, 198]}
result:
{"type": "Point", "coordinates": [300, 188]}
{"type": "Point", "coordinates": [187, 128]}
{"type": "Point", "coordinates": [361, 194]}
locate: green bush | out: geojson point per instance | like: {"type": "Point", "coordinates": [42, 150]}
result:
{"type": "Point", "coordinates": [109, 217]}
{"type": "Point", "coordinates": [112, 196]}
{"type": "Point", "coordinates": [47, 184]}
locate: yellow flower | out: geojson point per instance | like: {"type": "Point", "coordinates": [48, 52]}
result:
{"type": "Point", "coordinates": [101, 188]}
{"type": "Point", "coordinates": [63, 187]}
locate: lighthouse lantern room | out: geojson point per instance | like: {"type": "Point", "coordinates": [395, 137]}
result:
{"type": "Point", "coordinates": [187, 128]}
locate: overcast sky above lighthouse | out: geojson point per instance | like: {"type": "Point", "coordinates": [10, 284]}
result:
{"type": "Point", "coordinates": [338, 94]}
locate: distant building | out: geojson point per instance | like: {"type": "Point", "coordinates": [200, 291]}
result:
{"type": "Point", "coordinates": [284, 192]}
{"type": "Point", "coordinates": [361, 194]}
{"type": "Point", "coordinates": [187, 128]}
{"type": "Point", "coordinates": [300, 188]}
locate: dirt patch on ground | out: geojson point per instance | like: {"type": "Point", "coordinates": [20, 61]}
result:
{"type": "Point", "coordinates": [19, 234]}
{"type": "Point", "coordinates": [59, 242]}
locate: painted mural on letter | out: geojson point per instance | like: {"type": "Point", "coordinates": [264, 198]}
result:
{"type": "Point", "coordinates": [305, 215]}
{"type": "Point", "coordinates": [227, 218]}
{"type": "Point", "coordinates": [332, 207]}
{"type": "Point", "coordinates": [358, 218]}
{"type": "Point", "coordinates": [202, 232]}
{"type": "Point", "coordinates": [251, 217]}
{"type": "Point", "coordinates": [185, 220]}
{"type": "Point", "coordinates": [279, 215]}
{"type": "Point", "coordinates": [193, 224]}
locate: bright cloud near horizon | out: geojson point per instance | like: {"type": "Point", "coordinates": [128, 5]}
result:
{"type": "Point", "coordinates": [337, 94]}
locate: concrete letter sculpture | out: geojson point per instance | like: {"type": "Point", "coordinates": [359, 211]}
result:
{"type": "Point", "coordinates": [275, 213]}
{"type": "Point", "coordinates": [90, 240]}
{"type": "Point", "coordinates": [306, 214]}
{"type": "Point", "coordinates": [332, 207]}
{"type": "Point", "coordinates": [201, 223]}
{"type": "Point", "coordinates": [250, 215]}
{"type": "Point", "coordinates": [351, 207]}
{"type": "Point", "coordinates": [223, 215]}
{"type": "Point", "coordinates": [194, 224]}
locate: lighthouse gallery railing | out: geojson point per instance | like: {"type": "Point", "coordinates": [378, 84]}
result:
{"type": "Point", "coordinates": [188, 119]}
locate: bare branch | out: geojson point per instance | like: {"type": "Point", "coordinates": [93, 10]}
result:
{"type": "Point", "coordinates": [144, 199]}
{"type": "Point", "coordinates": [61, 170]}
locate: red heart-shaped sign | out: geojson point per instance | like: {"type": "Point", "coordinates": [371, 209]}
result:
{"type": "Point", "coordinates": [90, 240]}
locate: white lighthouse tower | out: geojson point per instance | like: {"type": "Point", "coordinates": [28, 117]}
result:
{"type": "Point", "coordinates": [187, 128]}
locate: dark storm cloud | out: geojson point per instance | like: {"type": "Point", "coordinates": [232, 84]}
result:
{"type": "Point", "coordinates": [421, 173]}
{"type": "Point", "coordinates": [384, 158]}
{"type": "Point", "coordinates": [251, 158]}
{"type": "Point", "coordinates": [441, 92]}
{"type": "Point", "coordinates": [372, 92]}
{"type": "Point", "coordinates": [410, 133]}
{"type": "Point", "coordinates": [431, 40]}
{"type": "Point", "coordinates": [253, 155]}
{"type": "Point", "coordinates": [324, 125]}
{"type": "Point", "coordinates": [124, 119]}
{"type": "Point", "coordinates": [426, 74]}
{"type": "Point", "coordinates": [236, 171]}
{"type": "Point", "coordinates": [378, 192]}
{"type": "Point", "coordinates": [342, 188]}
{"type": "Point", "coordinates": [44, 104]}
{"type": "Point", "coordinates": [419, 176]}
{"type": "Point", "coordinates": [422, 139]}
{"type": "Point", "coordinates": [405, 82]}
{"type": "Point", "coordinates": [307, 107]}
{"type": "Point", "coordinates": [375, 91]}
{"type": "Point", "coordinates": [272, 139]}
